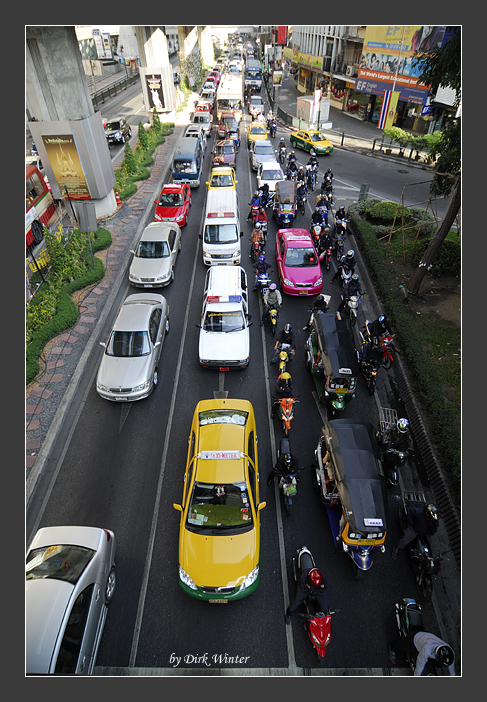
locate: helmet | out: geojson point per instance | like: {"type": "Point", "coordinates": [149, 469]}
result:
{"type": "Point", "coordinates": [341, 208]}
{"type": "Point", "coordinates": [432, 511]}
{"type": "Point", "coordinates": [281, 139]}
{"type": "Point", "coordinates": [261, 257]}
{"type": "Point", "coordinates": [285, 379]}
{"type": "Point", "coordinates": [382, 318]}
{"type": "Point", "coordinates": [402, 425]}
{"type": "Point", "coordinates": [287, 459]}
{"type": "Point", "coordinates": [444, 656]}
{"type": "Point", "coordinates": [350, 253]}
{"type": "Point", "coordinates": [326, 229]}
{"type": "Point", "coordinates": [287, 328]}
{"type": "Point", "coordinates": [355, 276]}
{"type": "Point", "coordinates": [315, 576]}
{"type": "Point", "coordinates": [257, 225]}
{"type": "Point", "coordinates": [272, 286]}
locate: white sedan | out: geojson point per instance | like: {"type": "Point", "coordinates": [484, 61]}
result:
{"type": "Point", "coordinates": [269, 172]}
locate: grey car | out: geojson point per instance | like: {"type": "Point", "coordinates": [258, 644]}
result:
{"type": "Point", "coordinates": [117, 131]}
{"type": "Point", "coordinates": [155, 256]}
{"type": "Point", "coordinates": [260, 152]}
{"type": "Point", "coordinates": [129, 367]}
{"type": "Point", "coordinates": [69, 584]}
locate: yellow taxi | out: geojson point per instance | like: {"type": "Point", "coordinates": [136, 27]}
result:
{"type": "Point", "coordinates": [219, 535]}
{"type": "Point", "coordinates": [255, 132]}
{"type": "Point", "coordinates": [311, 139]}
{"type": "Point", "coordinates": [222, 177]}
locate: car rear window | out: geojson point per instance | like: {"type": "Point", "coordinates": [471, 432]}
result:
{"type": "Point", "coordinates": [60, 562]}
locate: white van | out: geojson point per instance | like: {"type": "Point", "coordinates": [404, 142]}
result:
{"type": "Point", "coordinates": [224, 341]}
{"type": "Point", "coordinates": [221, 229]}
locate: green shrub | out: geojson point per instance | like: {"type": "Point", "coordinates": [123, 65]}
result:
{"type": "Point", "coordinates": [387, 212]}
{"type": "Point", "coordinates": [448, 260]}
{"type": "Point", "coordinates": [143, 139]}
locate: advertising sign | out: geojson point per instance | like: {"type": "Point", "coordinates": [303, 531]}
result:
{"type": "Point", "coordinates": [154, 91]}
{"type": "Point", "coordinates": [387, 60]}
{"type": "Point", "coordinates": [66, 165]}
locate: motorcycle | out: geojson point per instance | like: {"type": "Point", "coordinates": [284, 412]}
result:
{"type": "Point", "coordinates": [282, 154]}
{"type": "Point", "coordinates": [311, 176]}
{"type": "Point", "coordinates": [326, 257]}
{"type": "Point", "coordinates": [392, 456]}
{"type": "Point", "coordinates": [315, 231]}
{"type": "Point", "coordinates": [369, 372]}
{"type": "Point", "coordinates": [284, 356]}
{"type": "Point", "coordinates": [327, 186]}
{"type": "Point", "coordinates": [345, 275]}
{"type": "Point", "coordinates": [424, 564]}
{"type": "Point", "coordinates": [263, 282]}
{"type": "Point", "coordinates": [409, 620]}
{"type": "Point", "coordinates": [301, 203]}
{"type": "Point", "coordinates": [339, 243]}
{"type": "Point", "coordinates": [272, 317]}
{"type": "Point", "coordinates": [316, 623]}
{"type": "Point", "coordinates": [386, 344]}
{"type": "Point", "coordinates": [288, 483]}
{"type": "Point", "coordinates": [273, 128]}
{"type": "Point", "coordinates": [341, 226]}
{"type": "Point", "coordinates": [351, 306]}
{"type": "Point", "coordinates": [285, 411]}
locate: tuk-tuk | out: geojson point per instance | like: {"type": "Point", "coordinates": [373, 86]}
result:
{"type": "Point", "coordinates": [285, 202]}
{"type": "Point", "coordinates": [352, 488]}
{"type": "Point", "coordinates": [332, 359]}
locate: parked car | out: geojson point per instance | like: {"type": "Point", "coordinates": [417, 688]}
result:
{"type": "Point", "coordinates": [261, 151]}
{"type": "Point", "coordinates": [269, 172]}
{"type": "Point", "coordinates": [128, 368]}
{"type": "Point", "coordinates": [219, 533]}
{"type": "Point", "coordinates": [297, 262]}
{"type": "Point", "coordinates": [224, 153]}
{"type": "Point", "coordinates": [117, 131]}
{"type": "Point", "coordinates": [69, 584]}
{"type": "Point", "coordinates": [155, 256]}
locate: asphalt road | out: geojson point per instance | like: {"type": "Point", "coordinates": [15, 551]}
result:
{"type": "Point", "coordinates": [122, 467]}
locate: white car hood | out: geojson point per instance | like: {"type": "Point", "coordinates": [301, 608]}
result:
{"type": "Point", "coordinates": [224, 346]}
{"type": "Point", "coordinates": [150, 267]}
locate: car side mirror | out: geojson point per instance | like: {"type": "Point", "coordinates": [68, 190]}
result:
{"type": "Point", "coordinates": [102, 343]}
{"type": "Point", "coordinates": [177, 507]}
{"type": "Point", "coordinates": [261, 505]}
{"type": "Point", "coordinates": [158, 343]}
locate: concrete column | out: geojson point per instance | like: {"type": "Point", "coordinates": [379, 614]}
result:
{"type": "Point", "coordinates": [65, 127]}
{"type": "Point", "coordinates": [156, 69]}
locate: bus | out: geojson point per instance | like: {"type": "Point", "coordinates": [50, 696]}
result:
{"type": "Point", "coordinates": [229, 96]}
{"type": "Point", "coordinates": [40, 209]}
{"type": "Point", "coordinates": [253, 74]}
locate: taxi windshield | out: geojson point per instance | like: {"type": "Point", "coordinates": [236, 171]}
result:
{"type": "Point", "coordinates": [221, 181]}
{"type": "Point", "coordinates": [219, 507]}
{"type": "Point", "coordinates": [300, 257]}
{"type": "Point", "coordinates": [317, 137]}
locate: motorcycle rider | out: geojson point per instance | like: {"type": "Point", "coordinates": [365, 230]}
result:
{"type": "Point", "coordinates": [285, 337]}
{"type": "Point", "coordinates": [422, 521]}
{"type": "Point", "coordinates": [399, 435]}
{"type": "Point", "coordinates": [311, 583]}
{"type": "Point", "coordinates": [257, 236]}
{"type": "Point", "coordinates": [261, 266]}
{"type": "Point", "coordinates": [286, 464]}
{"type": "Point", "coordinates": [257, 201]}
{"type": "Point", "coordinates": [292, 170]}
{"type": "Point", "coordinates": [302, 190]}
{"type": "Point", "coordinates": [427, 646]}
{"type": "Point", "coordinates": [272, 300]}
{"type": "Point", "coordinates": [380, 327]}
{"type": "Point", "coordinates": [320, 304]}
{"type": "Point", "coordinates": [371, 353]}
{"type": "Point", "coordinates": [353, 287]}
{"type": "Point", "coordinates": [348, 262]}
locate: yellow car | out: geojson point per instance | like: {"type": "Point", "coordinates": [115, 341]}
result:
{"type": "Point", "coordinates": [222, 177]}
{"type": "Point", "coordinates": [311, 139]}
{"type": "Point", "coordinates": [256, 131]}
{"type": "Point", "coordinates": [219, 536]}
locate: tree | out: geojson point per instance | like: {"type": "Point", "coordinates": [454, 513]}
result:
{"type": "Point", "coordinates": [443, 67]}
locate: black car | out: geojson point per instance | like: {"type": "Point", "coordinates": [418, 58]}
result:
{"type": "Point", "coordinates": [118, 131]}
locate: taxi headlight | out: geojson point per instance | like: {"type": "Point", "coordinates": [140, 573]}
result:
{"type": "Point", "coordinates": [319, 281]}
{"type": "Point", "coordinates": [184, 577]}
{"type": "Point", "coordinates": [250, 579]}
{"type": "Point", "coordinates": [289, 282]}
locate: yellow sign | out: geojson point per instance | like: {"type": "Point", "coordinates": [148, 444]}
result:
{"type": "Point", "coordinates": [66, 165]}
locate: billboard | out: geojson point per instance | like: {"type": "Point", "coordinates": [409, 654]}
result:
{"type": "Point", "coordinates": [387, 61]}
{"type": "Point", "coordinates": [66, 164]}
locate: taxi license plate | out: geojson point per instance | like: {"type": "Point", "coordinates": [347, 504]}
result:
{"type": "Point", "coordinates": [218, 601]}
{"type": "Point", "coordinates": [366, 542]}
{"type": "Point", "coordinates": [341, 391]}
{"type": "Point", "coordinates": [303, 292]}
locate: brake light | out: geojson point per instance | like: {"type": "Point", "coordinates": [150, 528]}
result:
{"type": "Point", "coordinates": [108, 534]}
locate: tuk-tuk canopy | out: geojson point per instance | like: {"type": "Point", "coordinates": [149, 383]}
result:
{"type": "Point", "coordinates": [286, 192]}
{"type": "Point", "coordinates": [355, 454]}
{"type": "Point", "coordinates": [335, 340]}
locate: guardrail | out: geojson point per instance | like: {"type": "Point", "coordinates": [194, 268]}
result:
{"type": "Point", "coordinates": [100, 96]}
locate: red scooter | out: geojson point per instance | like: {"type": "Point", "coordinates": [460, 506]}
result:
{"type": "Point", "coordinates": [285, 407]}
{"type": "Point", "coordinates": [316, 623]}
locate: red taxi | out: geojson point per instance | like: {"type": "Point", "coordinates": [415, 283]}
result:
{"type": "Point", "coordinates": [173, 203]}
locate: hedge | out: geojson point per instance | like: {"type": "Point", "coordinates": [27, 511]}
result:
{"type": "Point", "coordinates": [66, 312]}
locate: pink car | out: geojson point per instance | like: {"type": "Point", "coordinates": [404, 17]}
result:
{"type": "Point", "coordinates": [297, 262]}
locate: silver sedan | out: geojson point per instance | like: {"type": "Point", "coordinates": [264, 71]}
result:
{"type": "Point", "coordinates": [128, 368]}
{"type": "Point", "coordinates": [69, 583]}
{"type": "Point", "coordinates": [155, 256]}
